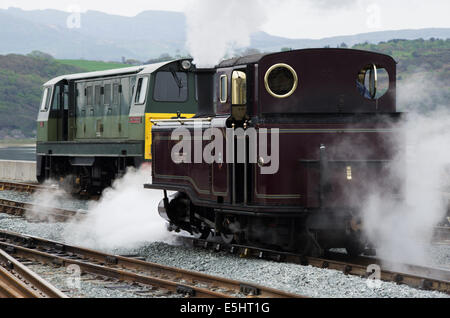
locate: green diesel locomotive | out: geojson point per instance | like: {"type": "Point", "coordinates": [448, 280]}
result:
{"type": "Point", "coordinates": [92, 126]}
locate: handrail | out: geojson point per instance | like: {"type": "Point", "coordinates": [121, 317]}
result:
{"type": "Point", "coordinates": [180, 120]}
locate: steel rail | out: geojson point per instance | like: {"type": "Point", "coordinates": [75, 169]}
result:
{"type": "Point", "coordinates": [131, 269]}
{"type": "Point", "coordinates": [23, 187]}
{"type": "Point", "coordinates": [416, 276]}
{"type": "Point", "coordinates": [38, 213]}
{"type": "Point", "coordinates": [12, 287]}
{"type": "Point", "coordinates": [35, 285]}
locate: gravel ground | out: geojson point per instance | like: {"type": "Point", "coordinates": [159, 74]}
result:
{"type": "Point", "coordinates": [304, 280]}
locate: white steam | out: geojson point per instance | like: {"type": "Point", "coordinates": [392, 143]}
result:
{"type": "Point", "coordinates": [216, 27]}
{"type": "Point", "coordinates": [402, 229]}
{"type": "Point", "coordinates": [44, 202]}
{"type": "Point", "coordinates": [125, 217]}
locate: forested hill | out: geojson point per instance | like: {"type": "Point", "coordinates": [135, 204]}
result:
{"type": "Point", "coordinates": [423, 79]}
{"type": "Point", "coordinates": [21, 80]}
{"type": "Point", "coordinates": [423, 71]}
{"type": "Point", "coordinates": [415, 55]}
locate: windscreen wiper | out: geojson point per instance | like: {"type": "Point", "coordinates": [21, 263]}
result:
{"type": "Point", "coordinates": [177, 79]}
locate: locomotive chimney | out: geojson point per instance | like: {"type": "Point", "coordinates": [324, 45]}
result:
{"type": "Point", "coordinates": [205, 87]}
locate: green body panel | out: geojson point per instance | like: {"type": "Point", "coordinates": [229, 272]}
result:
{"type": "Point", "coordinates": [95, 118]}
{"type": "Point", "coordinates": [42, 131]}
{"type": "Point", "coordinates": [137, 131]}
{"type": "Point", "coordinates": [101, 116]}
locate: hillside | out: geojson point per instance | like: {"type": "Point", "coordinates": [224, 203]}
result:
{"type": "Point", "coordinates": [423, 71]}
{"type": "Point", "coordinates": [21, 79]}
{"type": "Point", "coordinates": [92, 66]}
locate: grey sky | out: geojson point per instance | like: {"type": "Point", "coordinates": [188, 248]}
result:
{"type": "Point", "coordinates": [289, 18]}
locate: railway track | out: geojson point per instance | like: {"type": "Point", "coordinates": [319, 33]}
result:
{"type": "Point", "coordinates": [17, 281]}
{"type": "Point", "coordinates": [38, 213]}
{"type": "Point", "coordinates": [412, 275]}
{"type": "Point", "coordinates": [36, 187]}
{"type": "Point", "coordinates": [133, 270]}
{"type": "Point", "coordinates": [442, 235]}
{"type": "Point", "coordinates": [24, 187]}
{"type": "Point", "coordinates": [415, 276]}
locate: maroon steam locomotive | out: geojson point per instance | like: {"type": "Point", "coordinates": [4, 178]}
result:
{"type": "Point", "coordinates": [283, 151]}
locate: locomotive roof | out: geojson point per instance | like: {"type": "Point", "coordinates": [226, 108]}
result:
{"type": "Point", "coordinates": [255, 58]}
{"type": "Point", "coordinates": [142, 69]}
{"type": "Point", "coordinates": [249, 59]}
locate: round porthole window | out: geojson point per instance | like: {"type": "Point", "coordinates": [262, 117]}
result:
{"type": "Point", "coordinates": [281, 80]}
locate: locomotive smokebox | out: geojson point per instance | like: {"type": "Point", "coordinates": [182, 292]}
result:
{"type": "Point", "coordinates": [205, 85]}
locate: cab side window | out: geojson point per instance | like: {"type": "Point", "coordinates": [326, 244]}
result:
{"type": "Point", "coordinates": [46, 96]}
{"type": "Point", "coordinates": [141, 91]}
{"type": "Point", "coordinates": [56, 98]}
{"type": "Point", "coordinates": [223, 89]}
{"type": "Point", "coordinates": [372, 81]}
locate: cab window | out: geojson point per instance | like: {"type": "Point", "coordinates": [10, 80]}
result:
{"type": "Point", "coordinates": [171, 87]}
{"type": "Point", "coordinates": [45, 99]}
{"type": "Point", "coordinates": [56, 98]}
{"type": "Point", "coordinates": [223, 89]}
{"type": "Point", "coordinates": [141, 91]}
{"type": "Point", "coordinates": [372, 81]}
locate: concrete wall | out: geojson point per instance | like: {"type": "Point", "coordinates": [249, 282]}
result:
{"type": "Point", "coordinates": [21, 171]}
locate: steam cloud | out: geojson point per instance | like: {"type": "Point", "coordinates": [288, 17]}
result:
{"type": "Point", "coordinates": [45, 200]}
{"type": "Point", "coordinates": [125, 217]}
{"type": "Point", "coordinates": [402, 229]}
{"type": "Point", "coordinates": [216, 27]}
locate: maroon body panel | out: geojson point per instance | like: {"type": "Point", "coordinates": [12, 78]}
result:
{"type": "Point", "coordinates": [298, 179]}
{"type": "Point", "coordinates": [327, 82]}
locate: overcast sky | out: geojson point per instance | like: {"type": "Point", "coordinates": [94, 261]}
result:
{"type": "Point", "coordinates": [288, 18]}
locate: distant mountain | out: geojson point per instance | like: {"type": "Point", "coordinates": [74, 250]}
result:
{"type": "Point", "coordinates": [149, 34]}
{"type": "Point", "coordinates": [267, 42]}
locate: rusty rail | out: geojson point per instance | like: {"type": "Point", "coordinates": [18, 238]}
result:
{"type": "Point", "coordinates": [191, 284]}
{"type": "Point", "coordinates": [414, 276]}
{"type": "Point", "coordinates": [38, 213]}
{"type": "Point", "coordinates": [23, 187]}
{"type": "Point", "coordinates": [17, 281]}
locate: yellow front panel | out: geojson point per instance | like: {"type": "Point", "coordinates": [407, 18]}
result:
{"type": "Point", "coordinates": [148, 129]}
